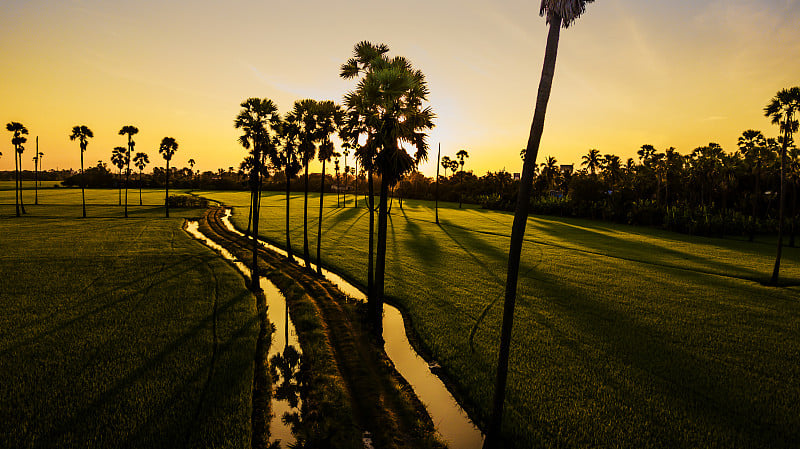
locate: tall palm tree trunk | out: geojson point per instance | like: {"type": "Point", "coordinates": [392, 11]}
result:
{"type": "Point", "coordinates": [140, 187]}
{"type": "Point", "coordinates": [355, 181]}
{"type": "Point", "coordinates": [372, 306]}
{"type": "Point", "coordinates": [493, 438]}
{"type": "Point", "coordinates": [119, 188]}
{"type": "Point", "coordinates": [781, 201]}
{"type": "Point", "coordinates": [83, 187]}
{"type": "Point", "coordinates": [36, 174]}
{"type": "Point", "coordinates": [319, 223]}
{"type": "Point", "coordinates": [127, 175]}
{"type": "Point", "coordinates": [255, 284]}
{"type": "Point", "coordinates": [166, 194]}
{"type": "Point", "coordinates": [460, 187]}
{"type": "Point", "coordinates": [16, 180]}
{"type": "Point", "coordinates": [288, 194]}
{"type": "Point", "coordinates": [436, 194]}
{"type": "Point", "coordinates": [306, 255]}
{"type": "Point", "coordinates": [21, 202]}
{"type": "Point", "coordinates": [380, 260]}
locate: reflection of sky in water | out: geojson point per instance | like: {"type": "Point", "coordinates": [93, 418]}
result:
{"type": "Point", "coordinates": [451, 421]}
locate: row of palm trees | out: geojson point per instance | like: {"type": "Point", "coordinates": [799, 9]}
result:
{"type": "Point", "coordinates": [120, 157]}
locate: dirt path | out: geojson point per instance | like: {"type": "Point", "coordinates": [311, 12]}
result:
{"type": "Point", "coordinates": [381, 401]}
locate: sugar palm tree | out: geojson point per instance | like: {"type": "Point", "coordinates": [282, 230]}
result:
{"type": "Point", "coordinates": [461, 155]}
{"type": "Point", "coordinates": [389, 97]}
{"type": "Point", "coordinates": [305, 114]}
{"type": "Point", "coordinates": [782, 109]}
{"type": "Point", "coordinates": [141, 160]}
{"type": "Point", "coordinates": [258, 120]}
{"type": "Point", "coordinates": [752, 144]}
{"type": "Point", "coordinates": [345, 152]}
{"type": "Point", "coordinates": [289, 133]}
{"type": "Point", "coordinates": [130, 131]}
{"type": "Point", "coordinates": [82, 134]}
{"type": "Point", "coordinates": [17, 140]}
{"type": "Point", "coordinates": [329, 119]}
{"type": "Point", "coordinates": [559, 13]}
{"type": "Point", "coordinates": [119, 159]}
{"type": "Point", "coordinates": [446, 162]}
{"type": "Point", "coordinates": [167, 148]}
{"type": "Point", "coordinates": [592, 160]}
{"type": "Point", "coordinates": [191, 163]}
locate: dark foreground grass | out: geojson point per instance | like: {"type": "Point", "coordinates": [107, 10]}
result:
{"type": "Point", "coordinates": [119, 332]}
{"type": "Point", "coordinates": [624, 336]}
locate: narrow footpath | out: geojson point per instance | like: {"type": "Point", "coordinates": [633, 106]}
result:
{"type": "Point", "coordinates": [384, 407]}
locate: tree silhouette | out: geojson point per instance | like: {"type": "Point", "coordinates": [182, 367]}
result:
{"type": "Point", "coordinates": [558, 12]}
{"type": "Point", "coordinates": [191, 163]}
{"type": "Point", "coordinates": [167, 148]}
{"type": "Point", "coordinates": [37, 158]}
{"type": "Point", "coordinates": [305, 114]}
{"type": "Point", "coordinates": [461, 155]}
{"type": "Point", "coordinates": [141, 160]}
{"type": "Point", "coordinates": [782, 109]}
{"type": "Point", "coordinates": [130, 131]}
{"type": "Point", "coordinates": [257, 119]}
{"type": "Point", "coordinates": [389, 97]}
{"type": "Point", "coordinates": [329, 118]}
{"type": "Point", "coordinates": [82, 134]}
{"type": "Point", "coordinates": [752, 144]}
{"type": "Point", "coordinates": [289, 134]}
{"type": "Point", "coordinates": [446, 164]}
{"type": "Point", "coordinates": [17, 140]}
{"type": "Point", "coordinates": [592, 161]}
{"type": "Point", "coordinates": [119, 159]}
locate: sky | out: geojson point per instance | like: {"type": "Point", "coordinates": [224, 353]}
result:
{"type": "Point", "coordinates": [678, 73]}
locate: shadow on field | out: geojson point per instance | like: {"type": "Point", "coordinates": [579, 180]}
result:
{"type": "Point", "coordinates": [700, 387]}
{"type": "Point", "coordinates": [424, 245]}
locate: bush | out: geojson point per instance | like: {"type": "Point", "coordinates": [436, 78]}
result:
{"type": "Point", "coordinates": [187, 202]}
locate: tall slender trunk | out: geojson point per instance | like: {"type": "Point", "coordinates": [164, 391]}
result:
{"type": "Point", "coordinates": [319, 223]}
{"type": "Point", "coordinates": [250, 211]}
{"type": "Point", "coordinates": [140, 187]}
{"type": "Point", "coordinates": [306, 255]}
{"type": "Point", "coordinates": [255, 284]}
{"type": "Point", "coordinates": [288, 240]}
{"type": "Point", "coordinates": [166, 195]}
{"type": "Point", "coordinates": [371, 240]}
{"type": "Point", "coordinates": [460, 186]}
{"type": "Point", "coordinates": [83, 187]}
{"type": "Point", "coordinates": [355, 181]}
{"type": "Point", "coordinates": [344, 195]}
{"type": "Point", "coordinates": [21, 202]}
{"type": "Point", "coordinates": [127, 176]}
{"type": "Point", "coordinates": [493, 437]}
{"type": "Point", "coordinates": [16, 180]}
{"type": "Point", "coordinates": [782, 200]}
{"type": "Point", "coordinates": [36, 174]}
{"type": "Point", "coordinates": [119, 188]}
{"type": "Point", "coordinates": [436, 194]}
{"type": "Point", "coordinates": [380, 260]}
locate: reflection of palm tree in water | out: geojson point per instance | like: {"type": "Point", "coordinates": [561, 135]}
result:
{"type": "Point", "coordinates": [287, 383]}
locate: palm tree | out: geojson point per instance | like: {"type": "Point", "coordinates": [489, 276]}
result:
{"type": "Point", "coordinates": [345, 152]}
{"type": "Point", "coordinates": [82, 134]}
{"type": "Point", "coordinates": [258, 119]}
{"type": "Point", "coordinates": [305, 113]}
{"type": "Point", "coordinates": [592, 161]}
{"type": "Point", "coordinates": [191, 163]}
{"type": "Point", "coordinates": [289, 133]}
{"type": "Point", "coordinates": [329, 119]}
{"type": "Point", "coordinates": [167, 148]}
{"type": "Point", "coordinates": [128, 130]}
{"type": "Point", "coordinates": [389, 97]}
{"type": "Point", "coordinates": [141, 160]}
{"type": "Point", "coordinates": [752, 144]}
{"type": "Point", "coordinates": [461, 155]}
{"type": "Point", "coordinates": [559, 12]}
{"type": "Point", "coordinates": [17, 140]}
{"type": "Point", "coordinates": [446, 163]}
{"type": "Point", "coordinates": [36, 157]}
{"type": "Point", "coordinates": [781, 110]}
{"type": "Point", "coordinates": [118, 158]}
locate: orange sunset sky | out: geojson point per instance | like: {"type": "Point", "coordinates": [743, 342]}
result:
{"type": "Point", "coordinates": [669, 73]}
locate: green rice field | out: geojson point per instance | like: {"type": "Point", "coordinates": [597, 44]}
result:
{"type": "Point", "coordinates": [624, 336]}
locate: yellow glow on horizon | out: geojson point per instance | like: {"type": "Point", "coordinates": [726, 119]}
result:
{"type": "Point", "coordinates": [628, 73]}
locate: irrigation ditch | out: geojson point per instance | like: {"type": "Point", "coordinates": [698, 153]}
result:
{"type": "Point", "coordinates": [323, 382]}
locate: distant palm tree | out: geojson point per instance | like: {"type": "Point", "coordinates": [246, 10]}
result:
{"type": "Point", "coordinates": [461, 155]}
{"type": "Point", "coordinates": [191, 163]}
{"type": "Point", "coordinates": [782, 109]}
{"type": "Point", "coordinates": [36, 158]}
{"type": "Point", "coordinates": [17, 140]}
{"type": "Point", "coordinates": [167, 149]}
{"type": "Point", "coordinates": [345, 153]}
{"type": "Point", "coordinates": [592, 160]}
{"type": "Point", "coordinates": [446, 161]}
{"type": "Point", "coordinates": [752, 144]}
{"type": "Point", "coordinates": [141, 160]}
{"type": "Point", "coordinates": [130, 131]}
{"type": "Point", "coordinates": [289, 133]}
{"type": "Point", "coordinates": [329, 119]}
{"type": "Point", "coordinates": [305, 113]}
{"type": "Point", "coordinates": [558, 12]}
{"type": "Point", "coordinates": [119, 159]}
{"type": "Point", "coordinates": [258, 119]}
{"type": "Point", "coordinates": [82, 134]}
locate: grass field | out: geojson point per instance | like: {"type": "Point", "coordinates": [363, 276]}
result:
{"type": "Point", "coordinates": [624, 336]}
{"type": "Point", "coordinates": [119, 332]}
